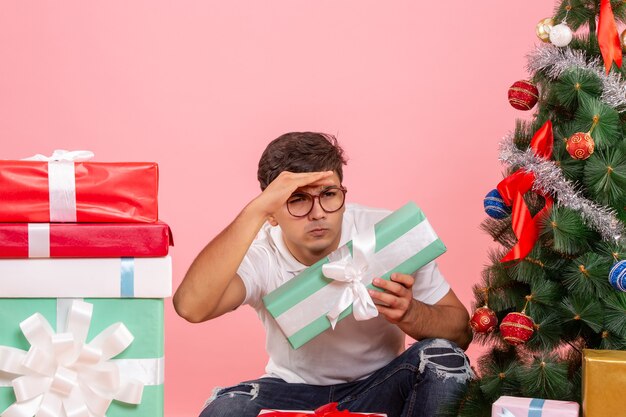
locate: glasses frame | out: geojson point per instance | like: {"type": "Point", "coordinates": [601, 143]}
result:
{"type": "Point", "coordinates": [343, 190]}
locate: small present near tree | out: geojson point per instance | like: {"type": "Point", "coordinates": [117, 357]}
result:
{"type": "Point", "coordinates": [557, 285]}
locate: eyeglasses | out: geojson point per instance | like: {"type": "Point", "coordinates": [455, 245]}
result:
{"type": "Point", "coordinates": [331, 200]}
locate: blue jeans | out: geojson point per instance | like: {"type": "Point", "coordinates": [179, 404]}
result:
{"type": "Point", "coordinates": [414, 384]}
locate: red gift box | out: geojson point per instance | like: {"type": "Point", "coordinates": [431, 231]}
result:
{"type": "Point", "coordinates": [328, 410]}
{"type": "Point", "coordinates": [84, 240]}
{"type": "Point", "coordinates": [98, 191]}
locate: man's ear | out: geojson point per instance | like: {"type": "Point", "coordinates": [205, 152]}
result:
{"type": "Point", "coordinates": [271, 220]}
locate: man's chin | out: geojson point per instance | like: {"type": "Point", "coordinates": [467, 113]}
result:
{"type": "Point", "coordinates": [321, 247]}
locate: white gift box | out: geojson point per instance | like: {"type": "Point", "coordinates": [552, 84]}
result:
{"type": "Point", "coordinates": [86, 277]}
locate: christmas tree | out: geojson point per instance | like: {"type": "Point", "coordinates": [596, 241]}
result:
{"type": "Point", "coordinates": [556, 283]}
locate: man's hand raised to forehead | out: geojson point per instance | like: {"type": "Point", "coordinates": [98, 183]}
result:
{"type": "Point", "coordinates": [279, 190]}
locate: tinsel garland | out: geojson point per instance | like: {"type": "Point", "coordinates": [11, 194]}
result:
{"type": "Point", "coordinates": [549, 179]}
{"type": "Point", "coordinates": [554, 61]}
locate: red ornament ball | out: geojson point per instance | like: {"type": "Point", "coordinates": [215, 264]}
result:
{"type": "Point", "coordinates": [484, 320]}
{"type": "Point", "coordinates": [517, 328]}
{"type": "Point", "coordinates": [523, 95]}
{"type": "Point", "coordinates": [580, 145]}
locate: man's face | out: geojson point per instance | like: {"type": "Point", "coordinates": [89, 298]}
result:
{"type": "Point", "coordinates": [311, 237]}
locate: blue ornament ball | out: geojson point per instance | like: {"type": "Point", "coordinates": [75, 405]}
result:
{"type": "Point", "coordinates": [495, 206]}
{"type": "Point", "coordinates": [617, 276]}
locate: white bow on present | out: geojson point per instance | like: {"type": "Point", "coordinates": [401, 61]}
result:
{"type": "Point", "coordinates": [62, 182]}
{"type": "Point", "coordinates": [62, 155]}
{"type": "Point", "coordinates": [63, 376]}
{"type": "Point", "coordinates": [352, 273]}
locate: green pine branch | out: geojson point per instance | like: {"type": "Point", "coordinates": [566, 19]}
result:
{"type": "Point", "coordinates": [587, 276]}
{"type": "Point", "coordinates": [582, 315]}
{"type": "Point", "coordinates": [601, 120]}
{"type": "Point", "coordinates": [574, 84]}
{"type": "Point", "coordinates": [567, 232]}
{"type": "Point", "coordinates": [615, 314]}
{"type": "Point", "coordinates": [548, 331]}
{"type": "Point", "coordinates": [605, 177]}
{"type": "Point", "coordinates": [547, 376]}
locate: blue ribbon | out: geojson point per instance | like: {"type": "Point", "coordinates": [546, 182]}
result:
{"type": "Point", "coordinates": [127, 277]}
{"type": "Point", "coordinates": [535, 407]}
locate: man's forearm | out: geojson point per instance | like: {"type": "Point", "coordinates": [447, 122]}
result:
{"type": "Point", "coordinates": [425, 321]}
{"type": "Point", "coordinates": [215, 266]}
{"type": "Point", "coordinates": [205, 292]}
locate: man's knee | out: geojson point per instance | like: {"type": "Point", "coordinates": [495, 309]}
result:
{"type": "Point", "coordinates": [443, 359]}
{"type": "Point", "coordinates": [232, 401]}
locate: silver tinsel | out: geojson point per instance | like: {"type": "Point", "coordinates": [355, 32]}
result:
{"type": "Point", "coordinates": [550, 180]}
{"type": "Point", "coordinates": [555, 61]}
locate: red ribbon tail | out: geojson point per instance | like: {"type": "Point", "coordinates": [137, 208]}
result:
{"type": "Point", "coordinates": [524, 228]}
{"type": "Point", "coordinates": [543, 141]}
{"type": "Point", "coordinates": [608, 37]}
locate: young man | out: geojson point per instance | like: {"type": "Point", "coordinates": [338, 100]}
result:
{"type": "Point", "coordinates": [299, 218]}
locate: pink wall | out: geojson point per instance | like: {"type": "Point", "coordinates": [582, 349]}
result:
{"type": "Point", "coordinates": [415, 91]}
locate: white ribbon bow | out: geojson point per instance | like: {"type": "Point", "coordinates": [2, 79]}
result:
{"type": "Point", "coordinates": [351, 273]}
{"type": "Point", "coordinates": [61, 375]}
{"type": "Point", "coordinates": [63, 155]}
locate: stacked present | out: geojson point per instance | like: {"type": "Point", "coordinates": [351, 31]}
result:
{"type": "Point", "coordinates": [84, 268]}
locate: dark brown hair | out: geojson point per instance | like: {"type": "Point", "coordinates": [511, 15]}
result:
{"type": "Point", "coordinates": [300, 152]}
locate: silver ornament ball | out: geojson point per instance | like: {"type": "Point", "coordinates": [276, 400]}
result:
{"type": "Point", "coordinates": [561, 35]}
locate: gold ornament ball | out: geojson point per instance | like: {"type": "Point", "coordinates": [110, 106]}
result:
{"type": "Point", "coordinates": [543, 29]}
{"type": "Point", "coordinates": [622, 39]}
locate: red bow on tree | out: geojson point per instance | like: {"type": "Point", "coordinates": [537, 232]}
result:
{"type": "Point", "coordinates": [512, 190]}
{"type": "Point", "coordinates": [608, 38]}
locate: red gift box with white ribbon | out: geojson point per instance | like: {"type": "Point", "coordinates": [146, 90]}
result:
{"type": "Point", "coordinates": [84, 240]}
{"type": "Point", "coordinates": [65, 187]}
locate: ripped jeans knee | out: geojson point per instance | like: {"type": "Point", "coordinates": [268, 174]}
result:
{"type": "Point", "coordinates": [444, 359]}
{"type": "Point", "coordinates": [231, 401]}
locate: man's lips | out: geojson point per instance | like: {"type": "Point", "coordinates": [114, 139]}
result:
{"type": "Point", "coordinates": [317, 231]}
{"type": "Point", "coordinates": [315, 227]}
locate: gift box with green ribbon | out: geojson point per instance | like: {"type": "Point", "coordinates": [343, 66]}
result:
{"type": "Point", "coordinates": [68, 355]}
{"type": "Point", "coordinates": [336, 286]}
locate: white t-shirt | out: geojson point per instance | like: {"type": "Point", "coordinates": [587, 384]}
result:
{"type": "Point", "coordinates": [354, 349]}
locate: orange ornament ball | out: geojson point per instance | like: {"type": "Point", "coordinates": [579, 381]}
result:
{"type": "Point", "coordinates": [580, 145]}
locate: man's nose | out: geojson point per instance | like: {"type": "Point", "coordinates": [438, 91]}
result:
{"type": "Point", "coordinates": [317, 212]}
